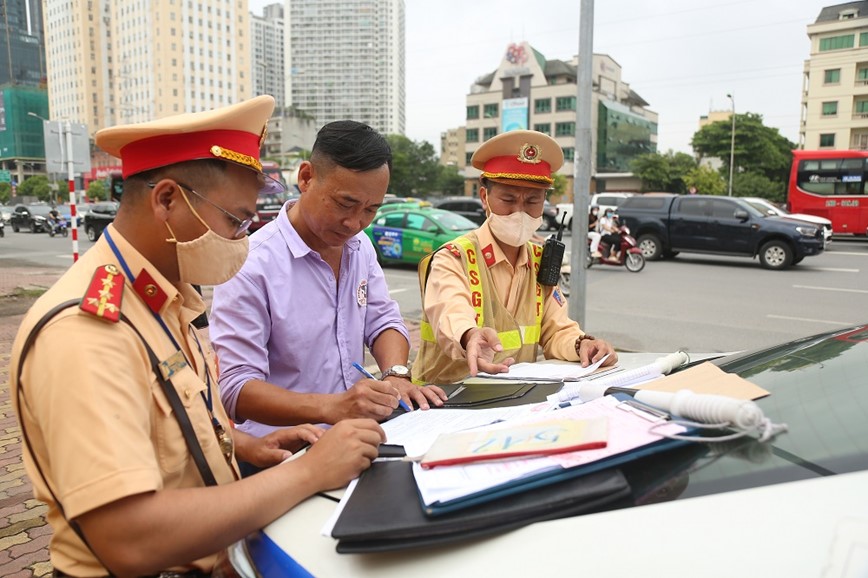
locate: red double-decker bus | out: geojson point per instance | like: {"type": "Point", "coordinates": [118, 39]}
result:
{"type": "Point", "coordinates": [831, 184]}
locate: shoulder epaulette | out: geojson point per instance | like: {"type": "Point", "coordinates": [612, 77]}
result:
{"type": "Point", "coordinates": [104, 294]}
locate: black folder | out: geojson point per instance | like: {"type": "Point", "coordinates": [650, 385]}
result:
{"type": "Point", "coordinates": [385, 513]}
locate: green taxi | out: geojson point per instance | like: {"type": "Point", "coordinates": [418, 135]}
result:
{"type": "Point", "coordinates": [407, 233]}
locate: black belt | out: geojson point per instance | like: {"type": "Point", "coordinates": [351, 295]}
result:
{"type": "Point", "coordinates": [190, 574]}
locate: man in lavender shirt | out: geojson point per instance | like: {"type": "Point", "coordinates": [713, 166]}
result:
{"type": "Point", "coordinates": [311, 296]}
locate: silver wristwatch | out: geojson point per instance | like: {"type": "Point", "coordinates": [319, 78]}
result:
{"type": "Point", "coordinates": [398, 371]}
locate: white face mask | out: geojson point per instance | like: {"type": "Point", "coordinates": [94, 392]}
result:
{"type": "Point", "coordinates": [209, 259]}
{"type": "Point", "coordinates": [514, 229]}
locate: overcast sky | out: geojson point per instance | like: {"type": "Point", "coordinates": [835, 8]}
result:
{"type": "Point", "coordinates": [681, 56]}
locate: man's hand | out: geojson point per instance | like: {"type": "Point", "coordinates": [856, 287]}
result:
{"type": "Point", "coordinates": [275, 447]}
{"type": "Point", "coordinates": [480, 345]}
{"type": "Point", "coordinates": [343, 452]}
{"type": "Point", "coordinates": [411, 393]}
{"type": "Point", "coordinates": [367, 398]}
{"type": "Point", "coordinates": [592, 350]}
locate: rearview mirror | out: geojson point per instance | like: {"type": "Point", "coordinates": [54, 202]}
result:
{"type": "Point", "coordinates": [741, 215]}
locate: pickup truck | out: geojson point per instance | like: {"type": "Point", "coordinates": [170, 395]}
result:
{"type": "Point", "coordinates": [666, 224]}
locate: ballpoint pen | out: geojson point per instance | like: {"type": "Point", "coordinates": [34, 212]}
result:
{"type": "Point", "coordinates": [367, 374]}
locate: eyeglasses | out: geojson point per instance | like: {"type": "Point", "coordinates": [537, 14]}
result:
{"type": "Point", "coordinates": [241, 225]}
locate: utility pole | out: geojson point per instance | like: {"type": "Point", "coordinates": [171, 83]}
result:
{"type": "Point", "coordinates": [582, 164]}
{"type": "Point", "coordinates": [70, 166]}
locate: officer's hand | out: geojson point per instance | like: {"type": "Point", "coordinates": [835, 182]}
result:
{"type": "Point", "coordinates": [278, 445]}
{"type": "Point", "coordinates": [412, 394]}
{"type": "Point", "coordinates": [367, 398]}
{"type": "Point", "coordinates": [480, 345]}
{"type": "Point", "coordinates": [592, 350]}
{"type": "Point", "coordinates": [343, 452]}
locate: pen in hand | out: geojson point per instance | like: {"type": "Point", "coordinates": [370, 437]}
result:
{"type": "Point", "coordinates": [367, 374]}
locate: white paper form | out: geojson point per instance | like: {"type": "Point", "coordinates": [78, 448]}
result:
{"type": "Point", "coordinates": [627, 431]}
{"type": "Point", "coordinates": [417, 430]}
{"type": "Point", "coordinates": [546, 371]}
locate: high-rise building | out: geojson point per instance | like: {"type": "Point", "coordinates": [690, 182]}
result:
{"type": "Point", "coordinates": [527, 91]}
{"type": "Point", "coordinates": [267, 54]}
{"type": "Point", "coordinates": [345, 60]}
{"type": "Point", "coordinates": [115, 62]}
{"type": "Point", "coordinates": [23, 60]}
{"type": "Point", "coordinates": [835, 92]}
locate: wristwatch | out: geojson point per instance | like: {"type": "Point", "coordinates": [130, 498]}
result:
{"type": "Point", "coordinates": [397, 371]}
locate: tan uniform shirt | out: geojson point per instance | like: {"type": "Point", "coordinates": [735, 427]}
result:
{"type": "Point", "coordinates": [451, 313]}
{"type": "Point", "coordinates": [99, 423]}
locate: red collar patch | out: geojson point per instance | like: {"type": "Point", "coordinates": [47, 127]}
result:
{"type": "Point", "coordinates": [488, 254]}
{"type": "Point", "coordinates": [149, 291]}
{"type": "Point", "coordinates": [104, 294]}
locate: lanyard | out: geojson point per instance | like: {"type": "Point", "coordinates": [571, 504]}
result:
{"type": "Point", "coordinates": [222, 437]}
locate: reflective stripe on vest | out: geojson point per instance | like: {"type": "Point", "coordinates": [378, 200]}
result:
{"type": "Point", "coordinates": [526, 334]}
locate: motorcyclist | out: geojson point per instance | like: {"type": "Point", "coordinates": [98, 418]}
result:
{"type": "Point", "coordinates": [610, 230]}
{"type": "Point", "coordinates": [593, 234]}
{"type": "Point", "coordinates": [53, 217]}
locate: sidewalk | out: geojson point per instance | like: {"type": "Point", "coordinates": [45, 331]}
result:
{"type": "Point", "coordinates": [24, 532]}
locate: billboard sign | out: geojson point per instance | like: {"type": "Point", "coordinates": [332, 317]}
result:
{"type": "Point", "coordinates": [515, 111]}
{"type": "Point", "coordinates": [54, 133]}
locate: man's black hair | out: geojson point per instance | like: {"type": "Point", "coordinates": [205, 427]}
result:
{"type": "Point", "coordinates": [351, 145]}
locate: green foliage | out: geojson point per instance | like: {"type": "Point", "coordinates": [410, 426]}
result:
{"type": "Point", "coordinates": [758, 148]}
{"type": "Point", "coordinates": [5, 192]}
{"type": "Point", "coordinates": [451, 182]}
{"type": "Point", "coordinates": [97, 190]}
{"type": "Point", "coordinates": [706, 180]}
{"type": "Point", "coordinates": [559, 187]}
{"type": "Point", "coordinates": [415, 170]}
{"type": "Point", "coordinates": [35, 186]}
{"type": "Point", "coordinates": [757, 185]}
{"type": "Point", "coordinates": [663, 172]}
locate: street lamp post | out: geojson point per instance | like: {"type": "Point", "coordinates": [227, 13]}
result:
{"type": "Point", "coordinates": [731, 143]}
{"type": "Point", "coordinates": [70, 167]}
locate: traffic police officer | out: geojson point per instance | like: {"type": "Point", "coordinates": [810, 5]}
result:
{"type": "Point", "coordinates": [125, 437]}
{"type": "Point", "coordinates": [482, 306]}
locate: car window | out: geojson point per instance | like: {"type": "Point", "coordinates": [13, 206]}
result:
{"type": "Point", "coordinates": [395, 220]}
{"type": "Point", "coordinates": [695, 207]}
{"type": "Point", "coordinates": [723, 209]}
{"type": "Point", "coordinates": [452, 221]}
{"type": "Point", "coordinates": [417, 222]}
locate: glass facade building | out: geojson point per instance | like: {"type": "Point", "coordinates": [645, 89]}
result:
{"type": "Point", "coordinates": [622, 136]}
{"type": "Point", "coordinates": [21, 37]}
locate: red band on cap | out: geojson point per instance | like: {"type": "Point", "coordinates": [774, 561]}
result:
{"type": "Point", "coordinates": [510, 165]}
{"type": "Point", "coordinates": [168, 149]}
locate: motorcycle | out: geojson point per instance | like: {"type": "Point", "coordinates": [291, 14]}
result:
{"type": "Point", "coordinates": [2, 226]}
{"type": "Point", "coordinates": [58, 226]}
{"type": "Point", "coordinates": [630, 255]}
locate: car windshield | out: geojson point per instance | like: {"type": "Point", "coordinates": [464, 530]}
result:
{"type": "Point", "coordinates": [42, 210]}
{"type": "Point", "coordinates": [765, 208]}
{"type": "Point", "coordinates": [452, 221]}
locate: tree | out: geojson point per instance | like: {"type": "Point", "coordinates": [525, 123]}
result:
{"type": "Point", "coordinates": [97, 190]}
{"type": "Point", "coordinates": [559, 187]}
{"type": "Point", "coordinates": [451, 182]}
{"type": "Point", "coordinates": [663, 172]}
{"type": "Point", "coordinates": [35, 186]}
{"type": "Point", "coordinates": [706, 180]}
{"type": "Point", "coordinates": [5, 192]}
{"type": "Point", "coordinates": [415, 170]}
{"type": "Point", "coordinates": [757, 185]}
{"type": "Point", "coordinates": [758, 148]}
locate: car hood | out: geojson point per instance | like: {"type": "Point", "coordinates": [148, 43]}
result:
{"type": "Point", "coordinates": [789, 220]}
{"type": "Point", "coordinates": [810, 219]}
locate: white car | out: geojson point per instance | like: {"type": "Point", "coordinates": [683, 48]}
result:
{"type": "Point", "coordinates": [605, 201]}
{"type": "Point", "coordinates": [768, 208]}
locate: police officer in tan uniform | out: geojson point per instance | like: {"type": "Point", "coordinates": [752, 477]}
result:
{"type": "Point", "coordinates": [125, 437]}
{"type": "Point", "coordinates": [482, 307]}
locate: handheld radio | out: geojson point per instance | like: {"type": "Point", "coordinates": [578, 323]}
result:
{"type": "Point", "coordinates": [552, 257]}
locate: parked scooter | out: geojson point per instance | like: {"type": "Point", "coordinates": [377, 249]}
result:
{"type": "Point", "coordinates": [629, 254]}
{"type": "Point", "coordinates": [58, 226]}
{"type": "Point", "coordinates": [2, 226]}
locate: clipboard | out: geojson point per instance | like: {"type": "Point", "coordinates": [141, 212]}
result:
{"type": "Point", "coordinates": [498, 394]}
{"type": "Point", "coordinates": [384, 513]}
